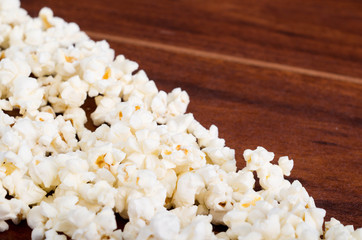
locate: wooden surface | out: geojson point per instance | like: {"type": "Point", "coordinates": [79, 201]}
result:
{"type": "Point", "coordinates": [285, 75]}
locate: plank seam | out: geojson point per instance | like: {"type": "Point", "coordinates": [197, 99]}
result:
{"type": "Point", "coordinates": [224, 57]}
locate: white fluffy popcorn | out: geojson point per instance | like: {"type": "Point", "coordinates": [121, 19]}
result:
{"type": "Point", "coordinates": [188, 186]}
{"type": "Point", "coordinates": [27, 94]}
{"type": "Point", "coordinates": [147, 161]}
{"type": "Point", "coordinates": [73, 91]}
{"type": "Point", "coordinates": [335, 230]}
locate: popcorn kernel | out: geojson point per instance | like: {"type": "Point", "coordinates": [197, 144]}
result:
{"type": "Point", "coordinates": [46, 23]}
{"type": "Point", "coordinates": [253, 202]}
{"type": "Point", "coordinates": [62, 137]}
{"type": "Point", "coordinates": [107, 73]}
{"type": "Point", "coordinates": [69, 59]}
{"type": "Point", "coordinates": [101, 163]}
{"type": "Point", "coordinates": [9, 167]}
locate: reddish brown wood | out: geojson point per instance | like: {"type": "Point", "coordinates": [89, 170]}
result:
{"type": "Point", "coordinates": [321, 35]}
{"type": "Point", "coordinates": [317, 121]}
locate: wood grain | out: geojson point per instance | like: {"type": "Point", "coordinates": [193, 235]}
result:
{"type": "Point", "coordinates": [319, 35]}
{"type": "Point", "coordinates": [283, 75]}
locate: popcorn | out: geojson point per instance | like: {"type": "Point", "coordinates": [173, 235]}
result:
{"type": "Point", "coordinates": [270, 177]}
{"type": "Point", "coordinates": [13, 209]}
{"type": "Point", "coordinates": [101, 193]}
{"type": "Point", "coordinates": [219, 197]}
{"type": "Point", "coordinates": [241, 181]}
{"type": "Point", "coordinates": [166, 106]}
{"type": "Point", "coordinates": [3, 226]}
{"type": "Point", "coordinates": [46, 16]}
{"type": "Point", "coordinates": [141, 208]}
{"type": "Point", "coordinates": [11, 69]}
{"type": "Point", "coordinates": [74, 91]}
{"type": "Point", "coordinates": [77, 117]}
{"type": "Point", "coordinates": [27, 191]}
{"type": "Point", "coordinates": [143, 88]}
{"type": "Point", "coordinates": [132, 229]}
{"type": "Point", "coordinates": [52, 234]}
{"type": "Point", "coordinates": [335, 230]}
{"type": "Point", "coordinates": [169, 181]}
{"type": "Point", "coordinates": [148, 160]}
{"type": "Point", "coordinates": [286, 165]}
{"type": "Point", "coordinates": [26, 94]}
{"type": "Point", "coordinates": [43, 171]}
{"type": "Point", "coordinates": [199, 228]}
{"type": "Point", "coordinates": [163, 225]}
{"type": "Point", "coordinates": [256, 159]}
{"type": "Point", "coordinates": [9, 5]}
{"type": "Point", "coordinates": [105, 106]}
{"type": "Point", "coordinates": [105, 219]}
{"type": "Point", "coordinates": [188, 185]}
{"type": "Point", "coordinates": [185, 214]}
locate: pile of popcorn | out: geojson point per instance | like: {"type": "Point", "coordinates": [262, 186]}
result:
{"type": "Point", "coordinates": [148, 160]}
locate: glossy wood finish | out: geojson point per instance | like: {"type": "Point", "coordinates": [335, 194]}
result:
{"type": "Point", "coordinates": [320, 35]}
{"type": "Point", "coordinates": [283, 75]}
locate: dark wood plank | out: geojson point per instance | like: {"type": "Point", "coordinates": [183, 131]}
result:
{"type": "Point", "coordinates": [319, 35]}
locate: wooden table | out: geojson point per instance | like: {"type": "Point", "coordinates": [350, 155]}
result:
{"type": "Point", "coordinates": [286, 75]}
